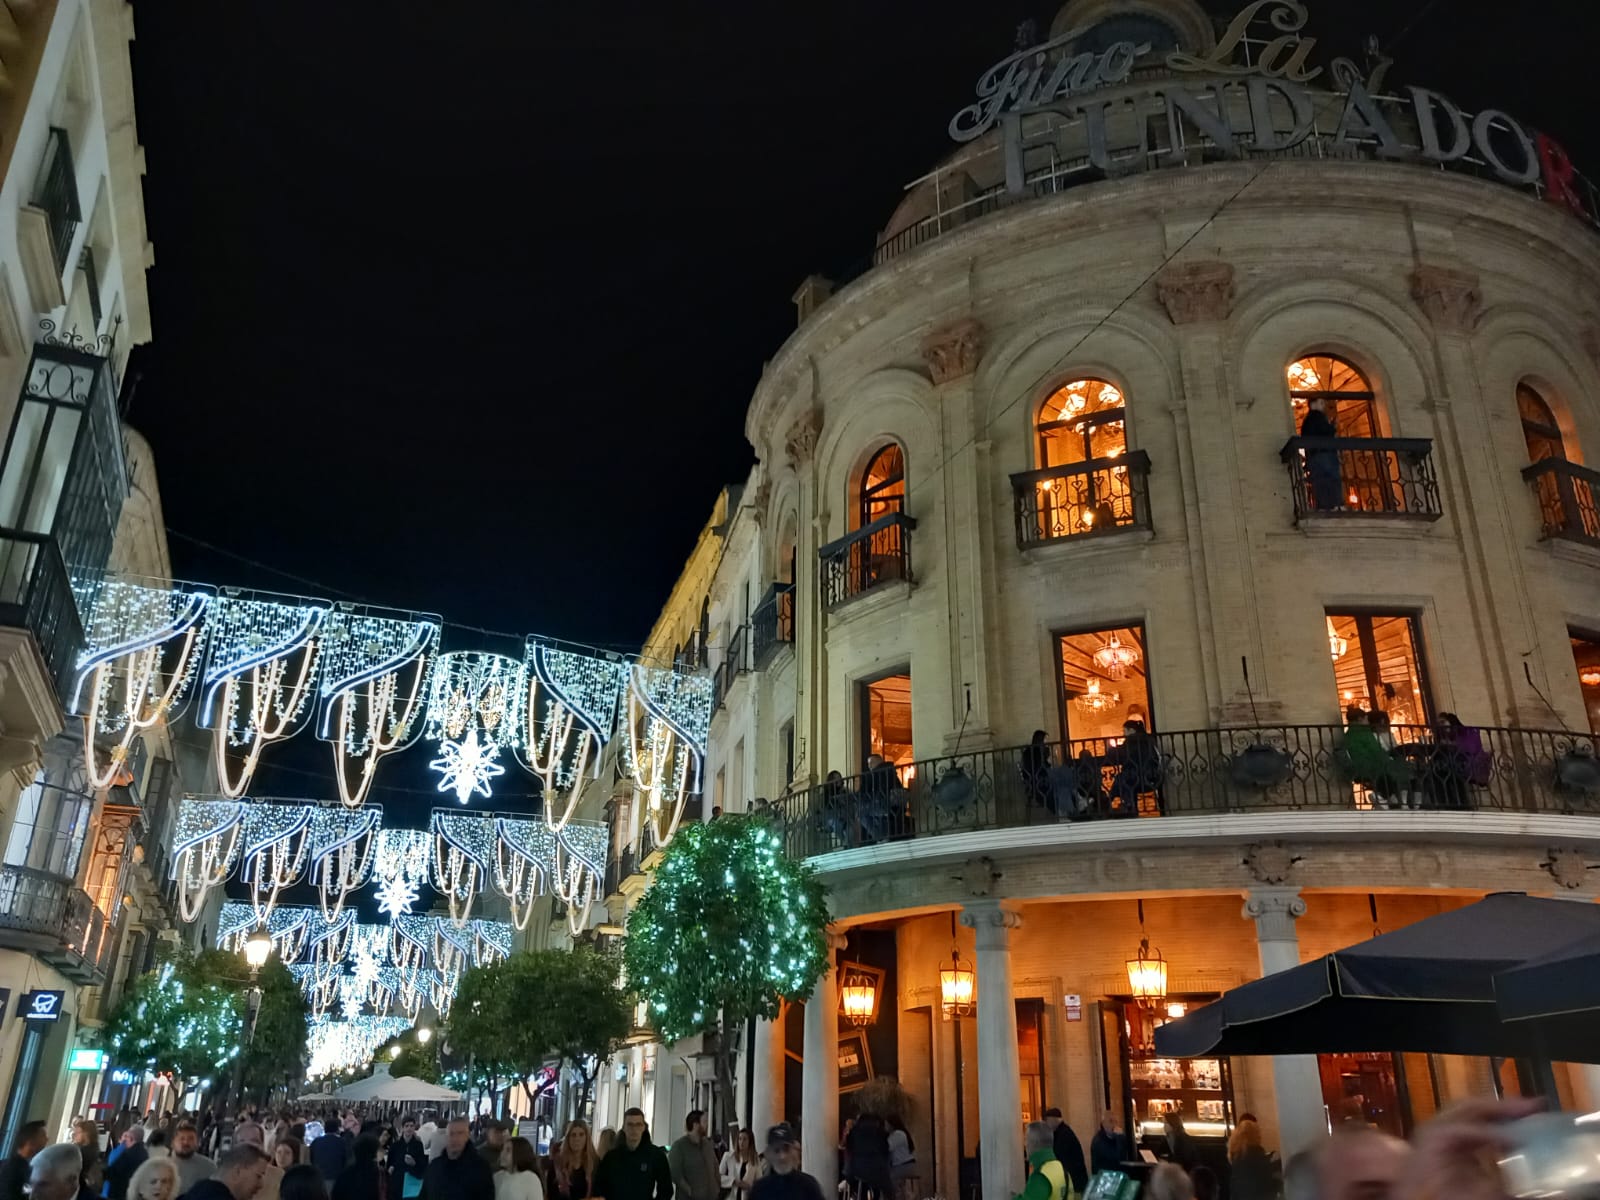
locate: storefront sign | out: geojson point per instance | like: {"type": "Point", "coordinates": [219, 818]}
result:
{"type": "Point", "coordinates": [1255, 102]}
{"type": "Point", "coordinates": [86, 1060]}
{"type": "Point", "coordinates": [1074, 1007]}
{"type": "Point", "coordinates": [41, 1006]}
{"type": "Point", "coordinates": [123, 1077]}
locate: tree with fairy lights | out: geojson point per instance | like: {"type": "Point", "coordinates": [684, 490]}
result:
{"type": "Point", "coordinates": [729, 929]}
{"type": "Point", "coordinates": [169, 1021]}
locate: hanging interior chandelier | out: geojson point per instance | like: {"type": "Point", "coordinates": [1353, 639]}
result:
{"type": "Point", "coordinates": [1114, 658]}
{"type": "Point", "coordinates": [1336, 644]}
{"type": "Point", "coordinates": [1147, 971]}
{"type": "Point", "coordinates": [1589, 677]}
{"type": "Point", "coordinates": [1094, 699]}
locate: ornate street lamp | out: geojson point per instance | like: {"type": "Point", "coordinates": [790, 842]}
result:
{"type": "Point", "coordinates": [257, 949]}
{"type": "Point", "coordinates": [858, 997]}
{"type": "Point", "coordinates": [958, 987]}
{"type": "Point", "coordinates": [1147, 971]}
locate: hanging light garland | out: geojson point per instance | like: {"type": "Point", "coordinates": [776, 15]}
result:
{"type": "Point", "coordinates": [272, 851]}
{"type": "Point", "coordinates": [475, 706]}
{"type": "Point", "coordinates": [374, 667]}
{"type": "Point", "coordinates": [336, 1045]}
{"type": "Point", "coordinates": [571, 711]}
{"type": "Point", "coordinates": [524, 852]}
{"type": "Point", "coordinates": [205, 847]}
{"type": "Point", "coordinates": [142, 646]}
{"type": "Point", "coordinates": [668, 720]}
{"type": "Point", "coordinates": [342, 845]}
{"type": "Point", "coordinates": [400, 865]}
{"type": "Point", "coordinates": [464, 853]}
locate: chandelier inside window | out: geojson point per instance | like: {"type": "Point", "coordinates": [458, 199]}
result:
{"type": "Point", "coordinates": [1589, 677]}
{"type": "Point", "coordinates": [1094, 699]}
{"type": "Point", "coordinates": [1336, 644]}
{"type": "Point", "coordinates": [1114, 658]}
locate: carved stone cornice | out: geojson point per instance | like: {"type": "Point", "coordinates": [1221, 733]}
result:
{"type": "Point", "coordinates": [761, 500]}
{"type": "Point", "coordinates": [1451, 299]}
{"type": "Point", "coordinates": [952, 351]}
{"type": "Point", "coordinates": [1196, 292]}
{"type": "Point", "coordinates": [991, 922]}
{"type": "Point", "coordinates": [1274, 910]}
{"type": "Point", "coordinates": [800, 443]}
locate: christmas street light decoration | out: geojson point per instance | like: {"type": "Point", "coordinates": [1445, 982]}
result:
{"type": "Point", "coordinates": [335, 1045]}
{"type": "Point", "coordinates": [342, 842]}
{"type": "Point", "coordinates": [374, 670]}
{"type": "Point", "coordinates": [453, 947]}
{"type": "Point", "coordinates": [464, 850]}
{"type": "Point", "coordinates": [260, 678]}
{"type": "Point", "coordinates": [411, 941]}
{"type": "Point", "coordinates": [524, 856]}
{"type": "Point", "coordinates": [491, 942]}
{"type": "Point", "coordinates": [142, 645]}
{"type": "Point", "coordinates": [580, 867]}
{"type": "Point", "coordinates": [400, 865]}
{"type": "Point", "coordinates": [205, 846]}
{"type": "Point", "coordinates": [475, 710]}
{"type": "Point", "coordinates": [328, 939]}
{"type": "Point", "coordinates": [571, 711]}
{"type": "Point", "coordinates": [667, 721]}
{"type": "Point", "coordinates": [272, 850]}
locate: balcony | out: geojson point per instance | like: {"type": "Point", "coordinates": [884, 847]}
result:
{"type": "Point", "coordinates": [732, 666]}
{"type": "Point", "coordinates": [1207, 772]}
{"type": "Point", "coordinates": [772, 624]}
{"type": "Point", "coordinates": [1566, 494]}
{"type": "Point", "coordinates": [36, 595]}
{"type": "Point", "coordinates": [1083, 500]}
{"type": "Point", "coordinates": [1362, 477]}
{"type": "Point", "coordinates": [873, 556]}
{"type": "Point", "coordinates": [48, 223]}
{"type": "Point", "coordinates": [45, 915]}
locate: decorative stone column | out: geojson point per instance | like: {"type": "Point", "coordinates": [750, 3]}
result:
{"type": "Point", "coordinates": [1301, 1118]}
{"type": "Point", "coordinates": [819, 1091]}
{"type": "Point", "coordinates": [766, 1079]}
{"type": "Point", "coordinates": [999, 1070]}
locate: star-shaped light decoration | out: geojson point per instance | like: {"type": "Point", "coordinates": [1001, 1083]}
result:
{"type": "Point", "coordinates": [467, 767]}
{"type": "Point", "coordinates": [396, 895]}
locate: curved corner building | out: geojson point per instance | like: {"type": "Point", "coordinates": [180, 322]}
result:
{"type": "Point", "coordinates": [1212, 399]}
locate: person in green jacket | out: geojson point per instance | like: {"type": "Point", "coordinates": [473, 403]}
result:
{"type": "Point", "coordinates": [1047, 1178]}
{"type": "Point", "coordinates": [1370, 762]}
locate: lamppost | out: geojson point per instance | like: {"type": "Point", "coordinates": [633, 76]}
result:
{"type": "Point", "coordinates": [257, 949]}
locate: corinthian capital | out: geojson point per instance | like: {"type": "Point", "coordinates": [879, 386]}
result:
{"type": "Point", "coordinates": [801, 442]}
{"type": "Point", "coordinates": [1274, 910]}
{"type": "Point", "coordinates": [1196, 292]}
{"type": "Point", "coordinates": [1451, 298]}
{"type": "Point", "coordinates": [952, 351]}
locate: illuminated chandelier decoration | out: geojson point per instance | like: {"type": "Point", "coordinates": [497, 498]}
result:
{"type": "Point", "coordinates": [142, 646]}
{"type": "Point", "coordinates": [205, 847]}
{"type": "Point", "coordinates": [374, 668]}
{"type": "Point", "coordinates": [571, 711]}
{"type": "Point", "coordinates": [400, 865]}
{"type": "Point", "coordinates": [328, 941]}
{"type": "Point", "coordinates": [1336, 644]}
{"type": "Point", "coordinates": [342, 845]}
{"type": "Point", "coordinates": [463, 858]}
{"type": "Point", "coordinates": [525, 852]}
{"type": "Point", "coordinates": [259, 680]}
{"type": "Point", "coordinates": [272, 850]}
{"type": "Point", "coordinates": [475, 706]}
{"type": "Point", "coordinates": [668, 719]}
{"type": "Point", "coordinates": [1113, 659]}
{"type": "Point", "coordinates": [1094, 699]}
{"type": "Point", "coordinates": [491, 942]}
{"type": "Point", "coordinates": [319, 984]}
{"type": "Point", "coordinates": [453, 947]}
{"type": "Point", "coordinates": [411, 941]}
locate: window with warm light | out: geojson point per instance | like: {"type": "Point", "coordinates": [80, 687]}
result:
{"type": "Point", "coordinates": [886, 722]}
{"type": "Point", "coordinates": [1352, 404]}
{"type": "Point", "coordinates": [1540, 430]}
{"type": "Point", "coordinates": [883, 486]}
{"type": "Point", "coordinates": [1566, 491]}
{"type": "Point", "coordinates": [1081, 420]}
{"type": "Point", "coordinates": [1370, 479]}
{"type": "Point", "coordinates": [1104, 681]}
{"type": "Point", "coordinates": [1586, 655]}
{"type": "Point", "coordinates": [1377, 664]}
{"type": "Point", "coordinates": [1082, 484]}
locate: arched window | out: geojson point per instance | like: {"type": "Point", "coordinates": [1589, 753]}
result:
{"type": "Point", "coordinates": [1082, 420]}
{"type": "Point", "coordinates": [702, 650]}
{"type": "Point", "coordinates": [883, 486]}
{"type": "Point", "coordinates": [1350, 402]}
{"type": "Point", "coordinates": [1539, 427]}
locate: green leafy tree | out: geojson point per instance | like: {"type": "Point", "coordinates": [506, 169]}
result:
{"type": "Point", "coordinates": [484, 1029]}
{"type": "Point", "coordinates": [170, 1020]}
{"type": "Point", "coordinates": [729, 928]}
{"type": "Point", "coordinates": [588, 1014]}
{"type": "Point", "coordinates": [418, 1060]}
{"type": "Point", "coordinates": [276, 1056]}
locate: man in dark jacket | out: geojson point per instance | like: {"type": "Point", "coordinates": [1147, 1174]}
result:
{"type": "Point", "coordinates": [1069, 1150]}
{"type": "Point", "coordinates": [408, 1158]}
{"type": "Point", "coordinates": [239, 1173]}
{"type": "Point", "coordinates": [494, 1143]}
{"type": "Point", "coordinates": [1108, 1149]}
{"type": "Point", "coordinates": [636, 1168]}
{"type": "Point", "coordinates": [330, 1154]}
{"type": "Point", "coordinates": [126, 1158]}
{"type": "Point", "coordinates": [460, 1172]}
{"type": "Point", "coordinates": [31, 1139]}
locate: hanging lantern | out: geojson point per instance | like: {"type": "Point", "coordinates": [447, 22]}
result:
{"type": "Point", "coordinates": [1147, 971]}
{"type": "Point", "coordinates": [858, 997]}
{"type": "Point", "coordinates": [1336, 644]}
{"type": "Point", "coordinates": [958, 987]}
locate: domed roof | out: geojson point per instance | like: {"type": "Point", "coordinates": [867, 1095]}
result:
{"type": "Point", "coordinates": [1166, 24]}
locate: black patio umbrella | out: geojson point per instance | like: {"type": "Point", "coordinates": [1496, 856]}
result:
{"type": "Point", "coordinates": [1427, 988]}
{"type": "Point", "coordinates": [1566, 983]}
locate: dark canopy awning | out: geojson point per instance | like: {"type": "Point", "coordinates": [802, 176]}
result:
{"type": "Point", "coordinates": [1564, 983]}
{"type": "Point", "coordinates": [1427, 988]}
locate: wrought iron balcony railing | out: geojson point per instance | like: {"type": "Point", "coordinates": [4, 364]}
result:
{"type": "Point", "coordinates": [875, 554]}
{"type": "Point", "coordinates": [55, 193]}
{"type": "Point", "coordinates": [1199, 772]}
{"type": "Point", "coordinates": [1102, 495]}
{"type": "Point", "coordinates": [1345, 477]}
{"type": "Point", "coordinates": [730, 668]}
{"type": "Point", "coordinates": [772, 624]}
{"type": "Point", "coordinates": [36, 594]}
{"type": "Point", "coordinates": [46, 915]}
{"type": "Point", "coordinates": [1566, 493]}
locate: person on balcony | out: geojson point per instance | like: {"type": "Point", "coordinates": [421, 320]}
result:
{"type": "Point", "coordinates": [839, 824]}
{"type": "Point", "coordinates": [1456, 763]}
{"type": "Point", "coordinates": [1322, 465]}
{"type": "Point", "coordinates": [1035, 768]}
{"type": "Point", "coordinates": [1368, 762]}
{"type": "Point", "coordinates": [877, 796]}
{"type": "Point", "coordinates": [1138, 763]}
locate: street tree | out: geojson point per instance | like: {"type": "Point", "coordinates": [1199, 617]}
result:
{"type": "Point", "coordinates": [276, 1055]}
{"type": "Point", "coordinates": [171, 1020]}
{"type": "Point", "coordinates": [728, 930]}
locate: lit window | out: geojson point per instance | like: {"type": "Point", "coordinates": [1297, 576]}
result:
{"type": "Point", "coordinates": [1377, 664]}
{"type": "Point", "coordinates": [1586, 655]}
{"type": "Point", "coordinates": [886, 722]}
{"type": "Point", "coordinates": [1539, 427]}
{"type": "Point", "coordinates": [1080, 421]}
{"type": "Point", "coordinates": [1104, 681]}
{"type": "Point", "coordinates": [1352, 405]}
{"type": "Point", "coordinates": [883, 486]}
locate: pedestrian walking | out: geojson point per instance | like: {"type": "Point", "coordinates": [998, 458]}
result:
{"type": "Point", "coordinates": [693, 1160]}
{"type": "Point", "coordinates": [155, 1179]}
{"type": "Point", "coordinates": [1108, 1149]}
{"type": "Point", "coordinates": [784, 1179]}
{"type": "Point", "coordinates": [31, 1139]}
{"type": "Point", "coordinates": [520, 1178]}
{"type": "Point", "coordinates": [460, 1173]}
{"type": "Point", "coordinates": [868, 1148]}
{"type": "Point", "coordinates": [193, 1167]}
{"type": "Point", "coordinates": [126, 1157]}
{"type": "Point", "coordinates": [636, 1168]}
{"type": "Point", "coordinates": [1068, 1149]}
{"type": "Point", "coordinates": [237, 1177]}
{"type": "Point", "coordinates": [408, 1161]}
{"type": "Point", "coordinates": [574, 1164]}
{"type": "Point", "coordinates": [741, 1166]}
{"type": "Point", "coordinates": [363, 1178]}
{"type": "Point", "coordinates": [1047, 1176]}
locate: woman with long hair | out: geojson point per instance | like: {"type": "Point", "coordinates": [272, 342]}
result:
{"type": "Point", "coordinates": [519, 1180]}
{"type": "Point", "coordinates": [605, 1143]}
{"type": "Point", "coordinates": [741, 1166]}
{"type": "Point", "coordinates": [1253, 1174]}
{"type": "Point", "coordinates": [288, 1152]}
{"type": "Point", "coordinates": [573, 1164]}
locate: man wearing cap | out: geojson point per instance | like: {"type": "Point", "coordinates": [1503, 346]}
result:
{"type": "Point", "coordinates": [636, 1168]}
{"type": "Point", "coordinates": [785, 1180]}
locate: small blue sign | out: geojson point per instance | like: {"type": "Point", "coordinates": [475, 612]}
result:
{"type": "Point", "coordinates": [41, 1006]}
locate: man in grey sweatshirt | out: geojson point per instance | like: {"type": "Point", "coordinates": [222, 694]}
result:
{"type": "Point", "coordinates": [693, 1160]}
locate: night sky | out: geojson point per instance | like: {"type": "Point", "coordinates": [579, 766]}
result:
{"type": "Point", "coordinates": [458, 308]}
